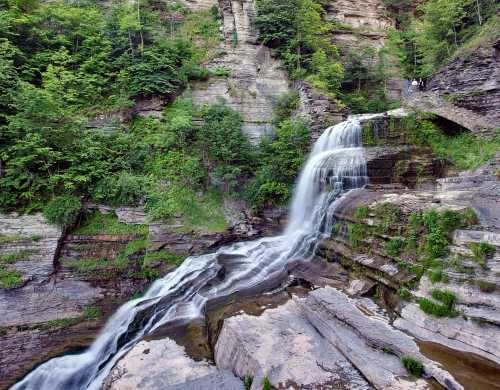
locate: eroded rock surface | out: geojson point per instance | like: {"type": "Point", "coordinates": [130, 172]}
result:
{"type": "Point", "coordinates": [164, 365]}
{"type": "Point", "coordinates": [323, 339]}
{"type": "Point", "coordinates": [255, 79]}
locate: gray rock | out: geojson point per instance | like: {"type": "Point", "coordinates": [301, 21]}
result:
{"type": "Point", "coordinates": [282, 345]}
{"type": "Point", "coordinates": [164, 365]}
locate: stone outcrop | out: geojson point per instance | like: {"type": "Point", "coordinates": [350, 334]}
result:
{"type": "Point", "coordinates": [255, 79]}
{"type": "Point", "coordinates": [472, 81]}
{"type": "Point", "coordinates": [362, 25]}
{"type": "Point", "coordinates": [164, 365]}
{"type": "Point", "coordinates": [435, 104]}
{"type": "Point", "coordinates": [322, 340]}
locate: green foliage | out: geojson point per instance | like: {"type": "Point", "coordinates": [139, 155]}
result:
{"type": "Point", "coordinates": [91, 312]}
{"type": "Point", "coordinates": [9, 278]}
{"type": "Point", "coordinates": [15, 256]}
{"type": "Point", "coordinates": [437, 310]}
{"type": "Point", "coordinates": [414, 366]}
{"type": "Point", "coordinates": [99, 223]}
{"type": "Point", "coordinates": [439, 30]}
{"type": "Point", "coordinates": [280, 159]}
{"type": "Point", "coordinates": [294, 29]}
{"type": "Point", "coordinates": [437, 275]}
{"type": "Point", "coordinates": [355, 234]}
{"type": "Point", "coordinates": [362, 212]}
{"type": "Point", "coordinates": [482, 250]}
{"type": "Point", "coordinates": [388, 214]}
{"type": "Point", "coordinates": [394, 246]}
{"type": "Point", "coordinates": [247, 382]}
{"type": "Point", "coordinates": [65, 62]}
{"type": "Point", "coordinates": [198, 212]}
{"type": "Point", "coordinates": [120, 189]}
{"type": "Point", "coordinates": [221, 140]}
{"type": "Point", "coordinates": [285, 105]}
{"type": "Point", "coordinates": [405, 294]}
{"type": "Point", "coordinates": [63, 210]}
{"type": "Point", "coordinates": [266, 384]}
{"type": "Point", "coordinates": [444, 296]}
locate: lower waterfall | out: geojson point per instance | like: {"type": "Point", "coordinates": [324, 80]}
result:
{"type": "Point", "coordinates": [335, 165]}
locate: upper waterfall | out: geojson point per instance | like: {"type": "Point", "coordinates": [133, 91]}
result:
{"type": "Point", "coordinates": [336, 164]}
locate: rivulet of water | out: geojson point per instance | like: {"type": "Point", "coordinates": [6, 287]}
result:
{"type": "Point", "coordinates": [335, 165]}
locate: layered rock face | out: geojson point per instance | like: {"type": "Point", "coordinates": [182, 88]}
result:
{"type": "Point", "coordinates": [324, 340]}
{"type": "Point", "coordinates": [363, 25]}
{"type": "Point", "coordinates": [255, 78]}
{"type": "Point", "coordinates": [472, 82]}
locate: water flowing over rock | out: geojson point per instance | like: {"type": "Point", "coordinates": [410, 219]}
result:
{"type": "Point", "coordinates": [335, 165]}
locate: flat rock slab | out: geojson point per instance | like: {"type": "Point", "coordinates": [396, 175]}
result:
{"type": "Point", "coordinates": [323, 340]}
{"type": "Point", "coordinates": [282, 345]}
{"type": "Point", "coordinates": [456, 333]}
{"type": "Point", "coordinates": [164, 365]}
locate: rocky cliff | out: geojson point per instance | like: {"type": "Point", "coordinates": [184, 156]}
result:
{"type": "Point", "coordinates": [472, 81]}
{"type": "Point", "coordinates": [252, 80]}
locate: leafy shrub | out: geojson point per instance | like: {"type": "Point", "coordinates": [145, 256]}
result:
{"type": "Point", "coordinates": [388, 214]}
{"type": "Point", "coordinates": [394, 246]}
{"type": "Point", "coordinates": [413, 366]}
{"type": "Point", "coordinates": [429, 307]}
{"type": "Point", "coordinates": [436, 244]}
{"type": "Point", "coordinates": [280, 159]}
{"type": "Point", "coordinates": [405, 294]}
{"type": "Point", "coordinates": [355, 234]}
{"type": "Point", "coordinates": [362, 212]}
{"type": "Point", "coordinates": [446, 297]}
{"type": "Point", "coordinates": [123, 189]}
{"type": "Point", "coordinates": [63, 210]}
{"type": "Point", "coordinates": [482, 251]}
{"type": "Point", "coordinates": [437, 275]}
{"type": "Point", "coordinates": [285, 105]}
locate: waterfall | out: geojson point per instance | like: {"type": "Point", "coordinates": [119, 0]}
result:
{"type": "Point", "coordinates": [335, 165]}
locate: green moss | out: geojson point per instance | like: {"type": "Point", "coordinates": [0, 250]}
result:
{"type": "Point", "coordinates": [99, 223]}
{"type": "Point", "coordinates": [161, 256]}
{"type": "Point", "coordinates": [91, 312]}
{"type": "Point", "coordinates": [412, 365]}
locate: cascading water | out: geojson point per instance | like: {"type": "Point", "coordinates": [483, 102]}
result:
{"type": "Point", "coordinates": [335, 165]}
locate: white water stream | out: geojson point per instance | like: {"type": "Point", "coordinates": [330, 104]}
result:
{"type": "Point", "coordinates": [336, 164]}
